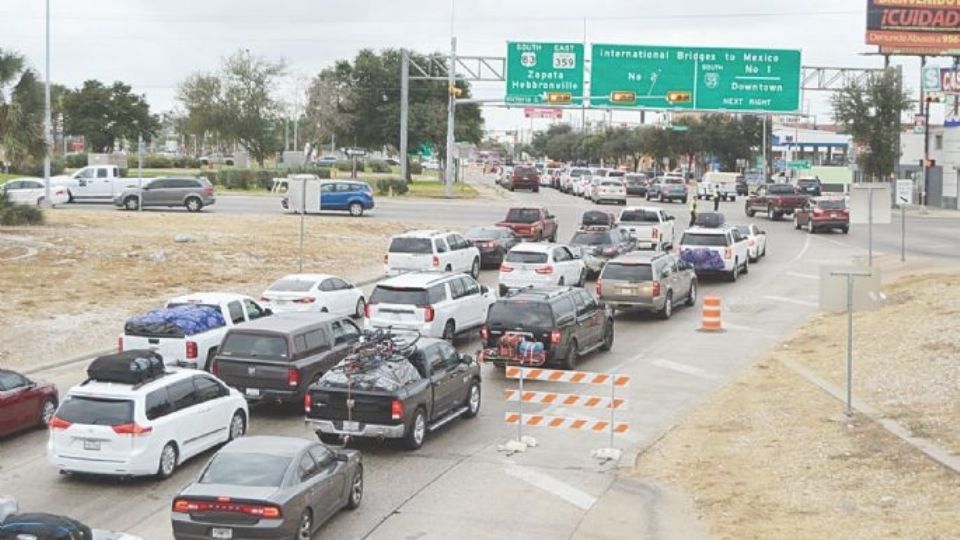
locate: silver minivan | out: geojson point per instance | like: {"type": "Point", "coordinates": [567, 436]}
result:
{"type": "Point", "coordinates": [654, 282]}
{"type": "Point", "coordinates": [192, 193]}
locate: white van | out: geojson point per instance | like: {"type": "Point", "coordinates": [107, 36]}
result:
{"type": "Point", "coordinates": [725, 182]}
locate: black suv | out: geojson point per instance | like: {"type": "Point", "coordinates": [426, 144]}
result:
{"type": "Point", "coordinates": [556, 326]}
{"type": "Point", "coordinates": [599, 244]}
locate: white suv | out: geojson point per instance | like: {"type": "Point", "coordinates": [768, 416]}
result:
{"type": "Point", "coordinates": [540, 265]}
{"type": "Point", "coordinates": [144, 429]}
{"type": "Point", "coordinates": [715, 250]}
{"type": "Point", "coordinates": [431, 250]}
{"type": "Point", "coordinates": [436, 304]}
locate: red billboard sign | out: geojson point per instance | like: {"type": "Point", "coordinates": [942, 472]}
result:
{"type": "Point", "coordinates": [932, 26]}
{"type": "Point", "coordinates": [542, 112]}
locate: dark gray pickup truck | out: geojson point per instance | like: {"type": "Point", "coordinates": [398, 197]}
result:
{"type": "Point", "coordinates": [277, 358]}
{"type": "Point", "coordinates": [379, 392]}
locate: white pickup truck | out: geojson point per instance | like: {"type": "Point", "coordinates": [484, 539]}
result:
{"type": "Point", "coordinates": [724, 182]}
{"type": "Point", "coordinates": [96, 182]}
{"type": "Point", "coordinates": [193, 350]}
{"type": "Point", "coordinates": [649, 224]}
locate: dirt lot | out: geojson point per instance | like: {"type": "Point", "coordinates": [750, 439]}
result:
{"type": "Point", "coordinates": [772, 456]}
{"type": "Point", "coordinates": [68, 287]}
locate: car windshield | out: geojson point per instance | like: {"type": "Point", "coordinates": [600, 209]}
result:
{"type": "Point", "coordinates": [673, 180]}
{"type": "Point", "coordinates": [523, 215]}
{"type": "Point", "coordinates": [526, 257]}
{"type": "Point", "coordinates": [398, 295]}
{"type": "Point", "coordinates": [694, 239]}
{"type": "Point", "coordinates": [411, 245]}
{"type": "Point", "coordinates": [587, 238]}
{"type": "Point", "coordinates": [612, 183]}
{"type": "Point", "coordinates": [832, 204]}
{"type": "Point", "coordinates": [478, 233]}
{"type": "Point", "coordinates": [520, 314]}
{"type": "Point", "coordinates": [253, 469]}
{"type": "Point", "coordinates": [525, 170]}
{"type": "Point", "coordinates": [576, 173]}
{"type": "Point", "coordinates": [627, 272]}
{"type": "Point", "coordinates": [96, 411]}
{"type": "Point", "coordinates": [634, 178]}
{"type": "Point", "coordinates": [616, 174]}
{"type": "Point", "coordinates": [781, 189]}
{"type": "Point", "coordinates": [254, 345]}
{"type": "Point", "coordinates": [292, 285]}
{"type": "Point", "coordinates": [639, 216]}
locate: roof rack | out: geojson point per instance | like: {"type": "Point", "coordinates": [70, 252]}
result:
{"type": "Point", "coordinates": [135, 386]}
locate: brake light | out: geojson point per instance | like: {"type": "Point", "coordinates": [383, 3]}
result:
{"type": "Point", "coordinates": [656, 288]}
{"type": "Point", "coordinates": [436, 260]}
{"type": "Point", "coordinates": [120, 344]}
{"type": "Point", "coordinates": [59, 423]}
{"type": "Point", "coordinates": [817, 211]}
{"type": "Point", "coordinates": [545, 270]}
{"type": "Point", "coordinates": [751, 242]}
{"type": "Point", "coordinates": [307, 403]}
{"type": "Point", "coordinates": [727, 253]}
{"type": "Point", "coordinates": [555, 336]}
{"type": "Point", "coordinates": [305, 300]}
{"type": "Point", "coordinates": [428, 312]}
{"type": "Point", "coordinates": [654, 233]}
{"type": "Point", "coordinates": [208, 190]}
{"type": "Point", "coordinates": [215, 369]}
{"type": "Point", "coordinates": [484, 332]}
{"type": "Point", "coordinates": [386, 256]}
{"type": "Point", "coordinates": [224, 505]}
{"type": "Point", "coordinates": [396, 410]}
{"type": "Point", "coordinates": [506, 268]}
{"type": "Point", "coordinates": [293, 377]}
{"type": "Point", "coordinates": [599, 287]}
{"type": "Point", "coordinates": [131, 428]}
{"type": "Point", "coordinates": [367, 309]}
{"type": "Point", "coordinates": [191, 349]}
{"type": "Point", "coordinates": [264, 299]}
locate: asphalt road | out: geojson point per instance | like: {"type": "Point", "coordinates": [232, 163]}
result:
{"type": "Point", "coordinates": [459, 485]}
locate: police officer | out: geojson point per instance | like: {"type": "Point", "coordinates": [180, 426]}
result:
{"type": "Point", "coordinates": [693, 210]}
{"type": "Point", "coordinates": [716, 197]}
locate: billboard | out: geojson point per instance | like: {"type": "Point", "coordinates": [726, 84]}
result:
{"type": "Point", "coordinates": [911, 25]}
{"type": "Point", "coordinates": [543, 112]}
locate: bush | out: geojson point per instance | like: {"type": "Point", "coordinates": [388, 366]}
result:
{"type": "Point", "coordinates": [415, 167]}
{"type": "Point", "coordinates": [76, 161]}
{"type": "Point", "coordinates": [186, 163]}
{"type": "Point", "coordinates": [379, 166]}
{"type": "Point", "coordinates": [399, 186]}
{"type": "Point", "coordinates": [12, 215]}
{"type": "Point", "coordinates": [152, 162]}
{"type": "Point", "coordinates": [346, 165]}
{"type": "Point", "coordinates": [36, 169]}
{"type": "Point", "coordinates": [261, 179]}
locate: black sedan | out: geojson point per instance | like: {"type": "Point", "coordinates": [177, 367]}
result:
{"type": "Point", "coordinates": [268, 487]}
{"type": "Point", "coordinates": [493, 243]}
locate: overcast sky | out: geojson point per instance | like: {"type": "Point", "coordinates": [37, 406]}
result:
{"type": "Point", "coordinates": [155, 44]}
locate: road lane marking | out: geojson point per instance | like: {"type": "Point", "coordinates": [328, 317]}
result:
{"type": "Point", "coordinates": [796, 301]}
{"type": "Point", "coordinates": [572, 495]}
{"type": "Point", "coordinates": [804, 276]}
{"type": "Point", "coordinates": [838, 243]}
{"type": "Point", "coordinates": [683, 368]}
{"type": "Point", "coordinates": [803, 250]}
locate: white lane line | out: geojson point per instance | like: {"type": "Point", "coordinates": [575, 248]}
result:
{"type": "Point", "coordinates": [803, 250]}
{"type": "Point", "coordinates": [572, 495]}
{"type": "Point", "coordinates": [803, 276]}
{"type": "Point", "coordinates": [796, 301]}
{"type": "Point", "coordinates": [683, 368]}
{"type": "Point", "coordinates": [837, 242]}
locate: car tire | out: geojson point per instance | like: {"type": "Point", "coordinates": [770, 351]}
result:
{"type": "Point", "coordinates": [475, 269]}
{"type": "Point", "coordinates": [692, 294]}
{"type": "Point", "coordinates": [503, 290]}
{"type": "Point", "coordinates": [749, 211]}
{"type": "Point", "coordinates": [69, 196]}
{"type": "Point", "coordinates": [735, 273]}
{"type": "Point", "coordinates": [583, 279]}
{"type": "Point", "coordinates": [473, 401]}
{"type": "Point", "coordinates": [570, 361]}
{"type": "Point", "coordinates": [167, 464]}
{"type": "Point", "coordinates": [844, 229]}
{"type": "Point", "coordinates": [448, 268]}
{"type": "Point", "coordinates": [560, 283]}
{"type": "Point", "coordinates": [356, 209]}
{"type": "Point", "coordinates": [810, 228]}
{"type": "Point", "coordinates": [237, 427]}
{"type": "Point", "coordinates": [684, 200]}
{"type": "Point", "coordinates": [193, 204]}
{"type": "Point", "coordinates": [131, 203]}
{"type": "Point", "coordinates": [356, 489]}
{"type": "Point", "coordinates": [607, 343]}
{"type": "Point", "coordinates": [40, 202]}
{"type": "Point", "coordinates": [47, 410]}
{"type": "Point", "coordinates": [449, 331]}
{"type": "Point", "coordinates": [330, 439]}
{"type": "Point", "coordinates": [667, 310]}
{"type": "Point", "coordinates": [796, 222]}
{"type": "Point", "coordinates": [416, 431]}
{"type": "Point", "coordinates": [360, 308]}
{"type": "Point", "coordinates": [305, 526]}
{"type": "Point", "coordinates": [746, 265]}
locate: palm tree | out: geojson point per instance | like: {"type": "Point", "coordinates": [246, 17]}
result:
{"type": "Point", "coordinates": [21, 111]}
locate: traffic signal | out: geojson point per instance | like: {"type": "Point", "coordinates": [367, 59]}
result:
{"type": "Point", "coordinates": [622, 96]}
{"type": "Point", "coordinates": [932, 98]}
{"type": "Point", "coordinates": [678, 97]}
{"type": "Point", "coordinates": [559, 98]}
{"type": "Point", "coordinates": [454, 91]}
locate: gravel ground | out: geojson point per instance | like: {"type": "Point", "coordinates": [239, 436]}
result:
{"type": "Point", "coordinates": [68, 286]}
{"type": "Point", "coordinates": [772, 456]}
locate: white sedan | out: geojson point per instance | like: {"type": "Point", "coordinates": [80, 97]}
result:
{"type": "Point", "coordinates": [314, 292]}
{"type": "Point", "coordinates": [756, 241]}
{"type": "Point", "coordinates": [30, 191]}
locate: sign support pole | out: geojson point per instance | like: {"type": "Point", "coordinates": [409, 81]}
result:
{"type": "Point", "coordinates": [870, 229]}
{"type": "Point", "coordinates": [850, 275]}
{"type": "Point", "coordinates": [404, 110]}
{"type": "Point", "coordinates": [303, 213]}
{"type": "Point", "coordinates": [451, 118]}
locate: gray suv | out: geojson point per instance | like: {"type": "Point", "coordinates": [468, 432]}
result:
{"type": "Point", "coordinates": [652, 282]}
{"type": "Point", "coordinates": [192, 193]}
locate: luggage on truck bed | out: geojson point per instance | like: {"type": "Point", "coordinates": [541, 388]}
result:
{"type": "Point", "coordinates": [711, 220]}
{"type": "Point", "coordinates": [43, 527]}
{"type": "Point", "coordinates": [179, 321]}
{"type": "Point", "coordinates": [129, 367]}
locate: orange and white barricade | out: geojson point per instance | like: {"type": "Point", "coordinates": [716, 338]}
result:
{"type": "Point", "coordinates": [712, 319]}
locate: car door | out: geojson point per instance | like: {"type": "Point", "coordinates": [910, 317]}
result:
{"type": "Point", "coordinates": [331, 480]}
{"type": "Point", "coordinates": [212, 395]}
{"type": "Point", "coordinates": [187, 422]}
{"type": "Point", "coordinates": [154, 193]}
{"type": "Point", "coordinates": [439, 381]}
{"type": "Point", "coordinates": [17, 406]}
{"type": "Point", "coordinates": [679, 280]}
{"type": "Point", "coordinates": [13, 191]}
{"type": "Point", "coordinates": [473, 310]}
{"type": "Point", "coordinates": [102, 184]}
{"type": "Point", "coordinates": [86, 182]}
{"type": "Point", "coordinates": [590, 316]}
{"type": "Point", "coordinates": [345, 335]}
{"type": "Point", "coordinates": [344, 296]}
{"type": "Point", "coordinates": [456, 253]}
{"type": "Point", "coordinates": [457, 376]}
{"type": "Point", "coordinates": [310, 487]}
{"type": "Point", "coordinates": [443, 253]}
{"type": "Point", "coordinates": [566, 265]}
{"type": "Point", "coordinates": [327, 195]}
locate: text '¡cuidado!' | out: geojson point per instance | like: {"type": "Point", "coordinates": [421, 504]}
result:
{"type": "Point", "coordinates": [928, 18]}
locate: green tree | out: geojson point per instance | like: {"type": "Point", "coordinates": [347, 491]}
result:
{"type": "Point", "coordinates": [107, 115]}
{"type": "Point", "coordinates": [871, 111]}
{"type": "Point", "coordinates": [21, 111]}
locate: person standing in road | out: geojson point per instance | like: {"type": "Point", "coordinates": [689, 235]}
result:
{"type": "Point", "coordinates": [693, 210]}
{"type": "Point", "coordinates": [716, 198]}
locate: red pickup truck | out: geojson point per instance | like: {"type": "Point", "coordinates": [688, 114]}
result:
{"type": "Point", "coordinates": [777, 200]}
{"type": "Point", "coordinates": [531, 224]}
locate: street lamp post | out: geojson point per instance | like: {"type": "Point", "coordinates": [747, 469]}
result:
{"type": "Point", "coordinates": [47, 124]}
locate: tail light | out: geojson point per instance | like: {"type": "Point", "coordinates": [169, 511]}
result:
{"type": "Point", "coordinates": [293, 377]}
{"type": "Point", "coordinates": [131, 428]}
{"type": "Point", "coordinates": [436, 260]}
{"type": "Point", "coordinates": [544, 270]}
{"type": "Point", "coordinates": [396, 410]}
{"type": "Point", "coordinates": [656, 288]}
{"type": "Point", "coordinates": [120, 344]}
{"type": "Point", "coordinates": [599, 287]}
{"type": "Point", "coordinates": [751, 242]}
{"type": "Point", "coordinates": [506, 268]}
{"type": "Point", "coordinates": [727, 253]}
{"type": "Point", "coordinates": [191, 349]}
{"type": "Point", "coordinates": [264, 299]}
{"type": "Point", "coordinates": [655, 233]}
{"type": "Point", "coordinates": [208, 190]}
{"type": "Point", "coordinates": [555, 336]}
{"type": "Point", "coordinates": [224, 505]}
{"type": "Point", "coordinates": [817, 212]}
{"type": "Point", "coordinates": [386, 257]}
{"type": "Point", "coordinates": [305, 300]}
{"type": "Point", "coordinates": [307, 403]}
{"type": "Point", "coordinates": [428, 313]}
{"type": "Point", "coordinates": [484, 332]}
{"type": "Point", "coordinates": [367, 309]}
{"type": "Point", "coordinates": [59, 423]}
{"type": "Point", "coordinates": [215, 369]}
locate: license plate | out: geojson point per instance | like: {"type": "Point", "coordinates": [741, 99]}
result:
{"type": "Point", "coordinates": [353, 427]}
{"type": "Point", "coordinates": [253, 392]}
{"type": "Point", "coordinates": [626, 291]}
{"type": "Point", "coordinates": [91, 445]}
{"type": "Point", "coordinates": [220, 532]}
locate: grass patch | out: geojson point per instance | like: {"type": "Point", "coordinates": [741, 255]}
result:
{"type": "Point", "coordinates": [435, 189]}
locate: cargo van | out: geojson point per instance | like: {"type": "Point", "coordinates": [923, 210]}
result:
{"type": "Point", "coordinates": [725, 182]}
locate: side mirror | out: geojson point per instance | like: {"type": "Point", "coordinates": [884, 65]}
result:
{"type": "Point", "coordinates": [267, 312]}
{"type": "Point", "coordinates": [341, 456]}
{"type": "Point", "coordinates": [484, 289]}
{"type": "Point", "coordinates": [466, 359]}
{"type": "Point", "coordinates": [670, 218]}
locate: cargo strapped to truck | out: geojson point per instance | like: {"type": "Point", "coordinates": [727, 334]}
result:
{"type": "Point", "coordinates": [516, 348]}
{"type": "Point", "coordinates": [136, 366]}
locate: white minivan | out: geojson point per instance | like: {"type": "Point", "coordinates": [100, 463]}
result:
{"type": "Point", "coordinates": [144, 429]}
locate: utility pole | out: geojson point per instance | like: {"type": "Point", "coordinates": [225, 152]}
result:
{"type": "Point", "coordinates": [925, 108]}
{"type": "Point", "coordinates": [763, 174]}
{"type": "Point", "coordinates": [47, 124]}
{"type": "Point", "coordinates": [404, 109]}
{"type": "Point", "coordinates": [451, 117]}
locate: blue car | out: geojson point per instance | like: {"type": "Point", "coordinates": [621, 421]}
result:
{"type": "Point", "coordinates": [351, 196]}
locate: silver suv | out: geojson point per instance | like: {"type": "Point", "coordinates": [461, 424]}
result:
{"type": "Point", "coordinates": [192, 193]}
{"type": "Point", "coordinates": [647, 281]}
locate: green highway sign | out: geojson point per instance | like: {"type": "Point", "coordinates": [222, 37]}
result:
{"type": "Point", "coordinates": [798, 164]}
{"type": "Point", "coordinates": [679, 127]}
{"type": "Point", "coordinates": [694, 78]}
{"type": "Point", "coordinates": [544, 73]}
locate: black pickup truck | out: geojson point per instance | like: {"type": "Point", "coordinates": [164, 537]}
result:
{"type": "Point", "coordinates": [388, 389]}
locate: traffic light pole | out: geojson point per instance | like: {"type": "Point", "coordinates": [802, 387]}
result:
{"type": "Point", "coordinates": [404, 111]}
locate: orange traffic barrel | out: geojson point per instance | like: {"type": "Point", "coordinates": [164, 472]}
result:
{"type": "Point", "coordinates": [711, 320]}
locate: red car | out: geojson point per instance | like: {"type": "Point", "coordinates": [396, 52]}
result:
{"type": "Point", "coordinates": [534, 223]}
{"type": "Point", "coordinates": [823, 214]}
{"type": "Point", "coordinates": [24, 403]}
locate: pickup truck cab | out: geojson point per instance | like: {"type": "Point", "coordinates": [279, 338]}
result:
{"type": "Point", "coordinates": [776, 200]}
{"type": "Point", "coordinates": [720, 250]}
{"type": "Point", "coordinates": [96, 182]}
{"type": "Point", "coordinates": [380, 392]}
{"type": "Point", "coordinates": [535, 223]}
{"type": "Point", "coordinates": [194, 350]}
{"type": "Point", "coordinates": [649, 224]}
